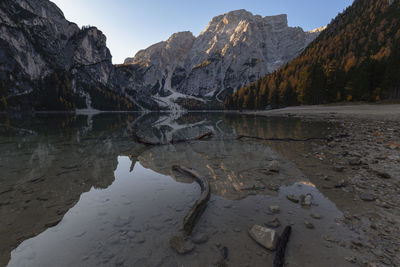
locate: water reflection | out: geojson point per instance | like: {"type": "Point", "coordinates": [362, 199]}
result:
{"type": "Point", "coordinates": [135, 203]}
{"type": "Point", "coordinates": [106, 226]}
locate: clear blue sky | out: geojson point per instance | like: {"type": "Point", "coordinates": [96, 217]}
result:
{"type": "Point", "coordinates": [131, 25]}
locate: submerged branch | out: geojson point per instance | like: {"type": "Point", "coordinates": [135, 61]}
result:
{"type": "Point", "coordinates": [200, 205]}
{"type": "Point", "coordinates": [292, 139]}
{"type": "Point", "coordinates": [150, 143]}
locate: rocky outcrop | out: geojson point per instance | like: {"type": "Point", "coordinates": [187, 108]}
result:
{"type": "Point", "coordinates": [235, 49]}
{"type": "Point", "coordinates": [39, 48]}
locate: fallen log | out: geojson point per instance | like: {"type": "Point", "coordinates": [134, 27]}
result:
{"type": "Point", "coordinates": [239, 137]}
{"type": "Point", "coordinates": [279, 259]}
{"type": "Point", "coordinates": [194, 214]}
{"type": "Point", "coordinates": [150, 143]}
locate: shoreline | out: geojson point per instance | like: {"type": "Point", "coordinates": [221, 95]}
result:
{"type": "Point", "coordinates": [387, 112]}
{"type": "Point", "coordinates": [355, 111]}
{"type": "Point", "coordinates": [366, 167]}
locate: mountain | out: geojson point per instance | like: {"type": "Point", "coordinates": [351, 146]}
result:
{"type": "Point", "coordinates": [234, 49]}
{"type": "Point", "coordinates": [357, 57]}
{"type": "Point", "coordinates": [48, 63]}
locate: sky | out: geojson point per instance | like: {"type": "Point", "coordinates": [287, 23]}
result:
{"type": "Point", "coordinates": [132, 25]}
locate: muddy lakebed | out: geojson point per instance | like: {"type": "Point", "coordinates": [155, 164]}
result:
{"type": "Point", "coordinates": [81, 191]}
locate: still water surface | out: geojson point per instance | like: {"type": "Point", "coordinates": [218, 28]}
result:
{"type": "Point", "coordinates": [79, 191]}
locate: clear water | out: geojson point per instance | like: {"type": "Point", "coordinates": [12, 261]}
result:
{"type": "Point", "coordinates": [79, 191]}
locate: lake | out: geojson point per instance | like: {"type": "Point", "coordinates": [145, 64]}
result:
{"type": "Point", "coordinates": [80, 190]}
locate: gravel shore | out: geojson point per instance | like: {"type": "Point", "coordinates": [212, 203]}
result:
{"type": "Point", "coordinates": [366, 175]}
{"type": "Point", "coordinates": [370, 112]}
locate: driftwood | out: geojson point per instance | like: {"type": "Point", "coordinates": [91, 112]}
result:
{"type": "Point", "coordinates": [194, 214]}
{"type": "Point", "coordinates": [281, 247]}
{"type": "Point", "coordinates": [293, 139]}
{"type": "Point", "coordinates": [149, 143]}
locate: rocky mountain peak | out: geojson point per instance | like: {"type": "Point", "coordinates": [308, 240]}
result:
{"type": "Point", "coordinates": [181, 39]}
{"type": "Point", "coordinates": [277, 21]}
{"type": "Point", "coordinates": [230, 18]}
{"type": "Point", "coordinates": [234, 49]}
{"type": "Point", "coordinates": [230, 21]}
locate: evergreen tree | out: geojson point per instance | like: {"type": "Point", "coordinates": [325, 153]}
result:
{"type": "Point", "coordinates": [356, 58]}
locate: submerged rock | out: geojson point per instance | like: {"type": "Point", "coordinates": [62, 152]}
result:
{"type": "Point", "coordinates": [200, 238]}
{"type": "Point", "coordinates": [273, 187]}
{"type": "Point", "coordinates": [367, 196]}
{"type": "Point", "coordinates": [309, 225]}
{"type": "Point", "coordinates": [274, 223]}
{"type": "Point", "coordinates": [237, 230]}
{"type": "Point", "coordinates": [306, 200]}
{"type": "Point", "coordinates": [273, 166]}
{"type": "Point", "coordinates": [315, 216]}
{"type": "Point", "coordinates": [293, 198]}
{"type": "Point", "coordinates": [274, 209]}
{"type": "Point", "coordinates": [180, 246]}
{"type": "Point", "coordinates": [266, 237]}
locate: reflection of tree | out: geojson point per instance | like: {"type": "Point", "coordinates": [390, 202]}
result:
{"type": "Point", "coordinates": [275, 127]}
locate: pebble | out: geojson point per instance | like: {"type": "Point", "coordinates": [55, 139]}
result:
{"type": "Point", "coordinates": [354, 162]}
{"type": "Point", "coordinates": [274, 223]}
{"type": "Point", "coordinates": [315, 216]}
{"type": "Point", "coordinates": [293, 198]}
{"type": "Point", "coordinates": [228, 206]}
{"type": "Point", "coordinates": [200, 239]}
{"type": "Point", "coordinates": [309, 225]}
{"type": "Point", "coordinates": [383, 174]}
{"type": "Point", "coordinates": [237, 230]}
{"type": "Point", "coordinates": [139, 239]}
{"type": "Point", "coordinates": [306, 200]}
{"type": "Point", "coordinates": [273, 187]}
{"type": "Point", "coordinates": [273, 166]}
{"type": "Point", "coordinates": [180, 246]}
{"type": "Point", "coordinates": [274, 209]}
{"type": "Point", "coordinates": [265, 237]}
{"type": "Point", "coordinates": [367, 196]}
{"type": "Point", "coordinates": [341, 183]}
{"type": "Point", "coordinates": [338, 168]}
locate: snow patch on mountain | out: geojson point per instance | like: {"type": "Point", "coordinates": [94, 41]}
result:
{"type": "Point", "coordinates": [234, 50]}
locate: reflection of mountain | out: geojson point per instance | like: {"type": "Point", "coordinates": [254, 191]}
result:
{"type": "Point", "coordinates": [44, 173]}
{"type": "Point", "coordinates": [46, 163]}
{"type": "Point", "coordinates": [235, 169]}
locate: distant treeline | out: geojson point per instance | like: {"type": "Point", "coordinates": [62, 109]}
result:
{"type": "Point", "coordinates": [357, 58]}
{"type": "Point", "coordinates": [55, 93]}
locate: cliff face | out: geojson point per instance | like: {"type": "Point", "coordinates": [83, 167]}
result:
{"type": "Point", "coordinates": [235, 49]}
{"type": "Point", "coordinates": [39, 48]}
